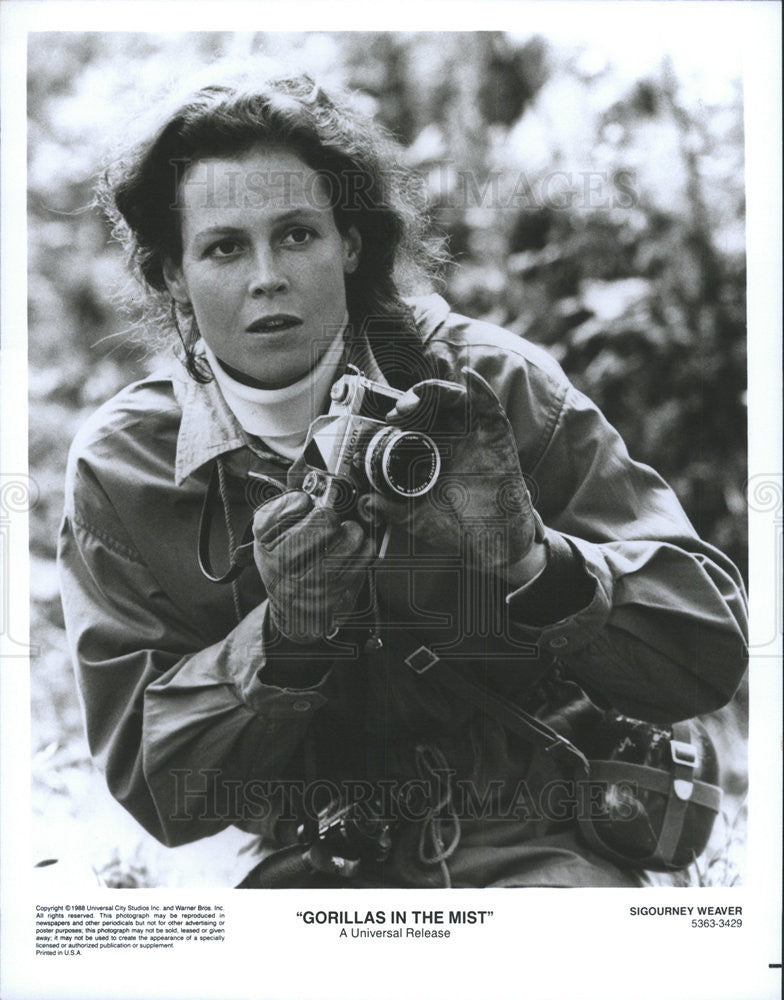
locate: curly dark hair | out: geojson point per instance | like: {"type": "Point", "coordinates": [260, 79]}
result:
{"type": "Point", "coordinates": [368, 190]}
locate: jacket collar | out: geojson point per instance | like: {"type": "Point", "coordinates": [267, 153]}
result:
{"type": "Point", "coordinates": [430, 313]}
{"type": "Point", "coordinates": [208, 427]}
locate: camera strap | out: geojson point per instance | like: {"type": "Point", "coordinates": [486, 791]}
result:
{"type": "Point", "coordinates": [240, 555]}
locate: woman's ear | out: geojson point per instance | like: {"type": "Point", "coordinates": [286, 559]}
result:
{"type": "Point", "coordinates": [175, 282]}
{"type": "Point", "coordinates": [352, 248]}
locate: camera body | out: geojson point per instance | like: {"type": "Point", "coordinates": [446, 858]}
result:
{"type": "Point", "coordinates": [352, 449]}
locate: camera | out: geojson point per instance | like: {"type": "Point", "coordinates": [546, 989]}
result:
{"type": "Point", "coordinates": [350, 833]}
{"type": "Point", "coordinates": [352, 448]}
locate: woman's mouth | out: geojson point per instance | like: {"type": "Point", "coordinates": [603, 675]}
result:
{"type": "Point", "coordinates": [273, 324]}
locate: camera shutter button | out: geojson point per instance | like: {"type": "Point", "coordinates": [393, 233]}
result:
{"type": "Point", "coordinates": [339, 391]}
{"type": "Point", "coordinates": [314, 484]}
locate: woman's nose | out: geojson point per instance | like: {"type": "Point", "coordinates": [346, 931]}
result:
{"type": "Point", "coordinates": [267, 278]}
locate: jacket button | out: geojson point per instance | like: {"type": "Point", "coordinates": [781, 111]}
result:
{"type": "Point", "coordinates": [559, 642]}
{"type": "Point", "coordinates": [301, 706]}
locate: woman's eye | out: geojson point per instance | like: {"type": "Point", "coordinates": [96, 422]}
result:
{"type": "Point", "coordinates": [299, 236]}
{"type": "Point", "coordinates": [224, 248]}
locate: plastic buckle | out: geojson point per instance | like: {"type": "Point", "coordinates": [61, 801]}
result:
{"type": "Point", "coordinates": [421, 659]}
{"type": "Point", "coordinates": [683, 753]}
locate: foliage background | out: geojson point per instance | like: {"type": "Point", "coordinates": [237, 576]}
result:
{"type": "Point", "coordinates": [592, 203]}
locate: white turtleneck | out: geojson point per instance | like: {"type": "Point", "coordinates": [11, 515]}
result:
{"type": "Point", "coordinates": [281, 417]}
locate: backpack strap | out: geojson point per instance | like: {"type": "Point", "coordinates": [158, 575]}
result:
{"type": "Point", "coordinates": [512, 716]}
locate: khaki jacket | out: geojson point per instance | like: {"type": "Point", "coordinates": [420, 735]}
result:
{"type": "Point", "coordinates": [188, 707]}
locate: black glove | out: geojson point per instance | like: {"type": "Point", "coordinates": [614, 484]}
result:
{"type": "Point", "coordinates": [480, 505]}
{"type": "Point", "coordinates": [312, 564]}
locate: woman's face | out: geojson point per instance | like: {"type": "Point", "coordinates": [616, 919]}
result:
{"type": "Point", "coordinates": [263, 263]}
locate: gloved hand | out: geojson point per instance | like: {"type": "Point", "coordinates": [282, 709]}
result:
{"type": "Point", "coordinates": [312, 564]}
{"type": "Point", "coordinates": [480, 505]}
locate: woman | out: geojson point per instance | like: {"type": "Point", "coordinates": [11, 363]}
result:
{"type": "Point", "coordinates": [371, 674]}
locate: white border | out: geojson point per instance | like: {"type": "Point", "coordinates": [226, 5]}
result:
{"type": "Point", "coordinates": [539, 943]}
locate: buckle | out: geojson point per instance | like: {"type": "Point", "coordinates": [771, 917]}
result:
{"type": "Point", "coordinates": [421, 659]}
{"type": "Point", "coordinates": [684, 754]}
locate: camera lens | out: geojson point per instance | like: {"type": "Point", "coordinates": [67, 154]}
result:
{"type": "Point", "coordinates": [404, 463]}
